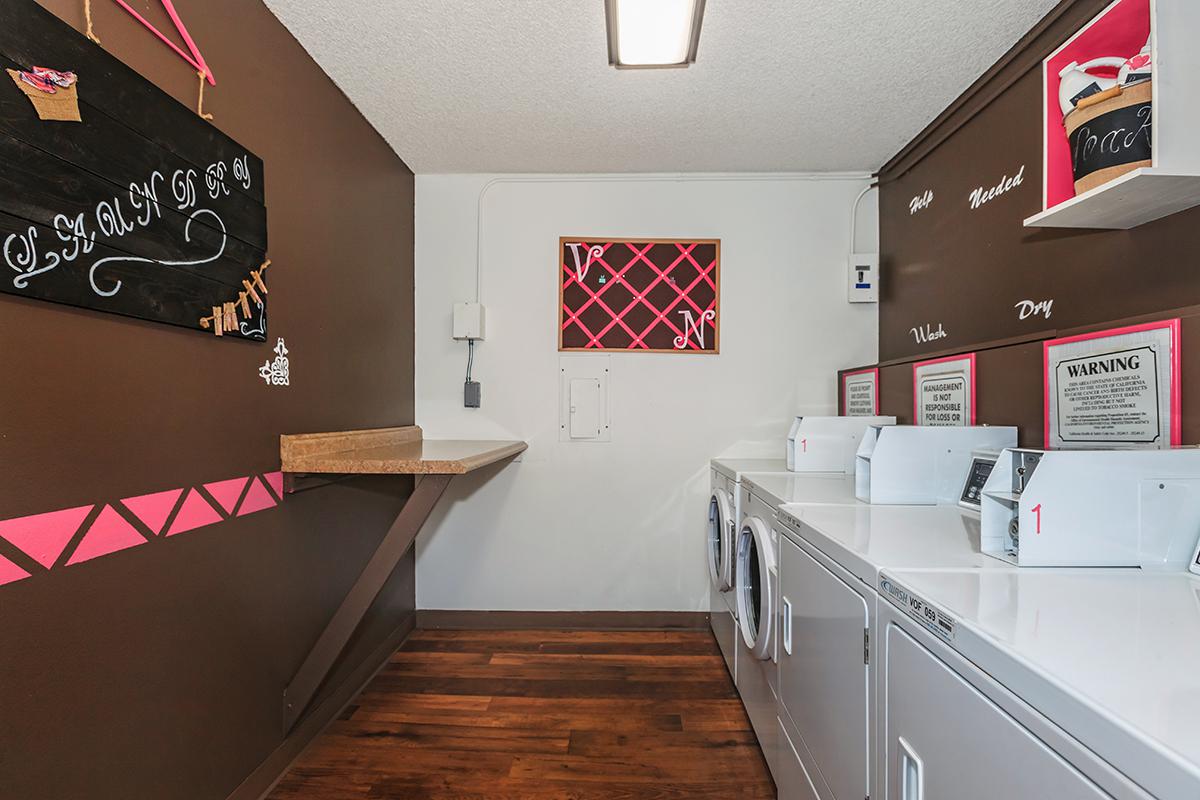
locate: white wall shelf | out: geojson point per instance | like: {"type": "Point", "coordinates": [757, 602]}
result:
{"type": "Point", "coordinates": [1133, 199]}
{"type": "Point", "coordinates": [1172, 184]}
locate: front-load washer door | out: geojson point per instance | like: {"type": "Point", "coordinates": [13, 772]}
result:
{"type": "Point", "coordinates": [754, 586]}
{"type": "Point", "coordinates": [720, 544]}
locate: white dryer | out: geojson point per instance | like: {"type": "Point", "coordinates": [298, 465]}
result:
{"type": "Point", "coordinates": [829, 559]}
{"type": "Point", "coordinates": [1067, 683]}
{"type": "Point", "coordinates": [755, 586]}
{"type": "Point", "coordinates": [723, 503]}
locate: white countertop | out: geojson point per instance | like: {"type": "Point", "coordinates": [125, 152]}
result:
{"type": "Point", "coordinates": [1089, 647]}
{"type": "Point", "coordinates": [866, 539]}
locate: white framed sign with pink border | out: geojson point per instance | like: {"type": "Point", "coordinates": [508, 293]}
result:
{"type": "Point", "coordinates": [860, 393]}
{"type": "Point", "coordinates": [1117, 388]}
{"type": "Point", "coordinates": [944, 391]}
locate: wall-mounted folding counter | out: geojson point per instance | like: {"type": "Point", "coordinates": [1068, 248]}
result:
{"type": "Point", "coordinates": [313, 459]}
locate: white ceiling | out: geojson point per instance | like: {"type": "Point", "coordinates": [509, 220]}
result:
{"type": "Point", "coordinates": [779, 85]}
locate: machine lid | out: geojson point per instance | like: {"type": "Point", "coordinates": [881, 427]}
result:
{"type": "Point", "coordinates": [735, 468]}
{"type": "Point", "coordinates": [755, 565]}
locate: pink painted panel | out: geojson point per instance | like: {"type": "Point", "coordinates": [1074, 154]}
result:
{"type": "Point", "coordinates": [10, 572]}
{"type": "Point", "coordinates": [43, 537]}
{"type": "Point", "coordinates": [153, 509]}
{"type": "Point", "coordinates": [257, 499]}
{"type": "Point", "coordinates": [227, 492]}
{"type": "Point", "coordinates": [196, 513]}
{"type": "Point", "coordinates": [108, 534]}
{"type": "Point", "coordinates": [275, 481]}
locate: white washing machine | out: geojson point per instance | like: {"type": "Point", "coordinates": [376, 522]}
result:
{"type": "Point", "coordinates": [1071, 684]}
{"type": "Point", "coordinates": [755, 576]}
{"type": "Point", "coordinates": [829, 559]}
{"type": "Point", "coordinates": [723, 503]}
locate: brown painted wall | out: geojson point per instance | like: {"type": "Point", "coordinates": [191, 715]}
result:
{"type": "Point", "coordinates": [964, 270]}
{"type": "Point", "coordinates": [158, 672]}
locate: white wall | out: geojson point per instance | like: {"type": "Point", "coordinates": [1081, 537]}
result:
{"type": "Point", "coordinates": [620, 525]}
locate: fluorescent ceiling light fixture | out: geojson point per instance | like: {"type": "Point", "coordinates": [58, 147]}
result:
{"type": "Point", "coordinates": [653, 33]}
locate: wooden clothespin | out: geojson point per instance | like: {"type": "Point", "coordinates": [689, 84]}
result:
{"type": "Point", "coordinates": [244, 303]}
{"type": "Point", "coordinates": [256, 277]}
{"type": "Point", "coordinates": [230, 316]}
{"type": "Point", "coordinates": [218, 328]}
{"type": "Point", "coordinates": [251, 292]}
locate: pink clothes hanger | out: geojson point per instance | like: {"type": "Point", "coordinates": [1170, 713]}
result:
{"type": "Point", "coordinates": [195, 58]}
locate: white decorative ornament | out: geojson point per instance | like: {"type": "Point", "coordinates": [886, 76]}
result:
{"type": "Point", "coordinates": [275, 373]}
{"type": "Point", "coordinates": [594, 252]}
{"type": "Point", "coordinates": [691, 325]}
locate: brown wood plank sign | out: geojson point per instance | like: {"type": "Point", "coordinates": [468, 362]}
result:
{"type": "Point", "coordinates": [641, 295]}
{"type": "Point", "coordinates": [141, 208]}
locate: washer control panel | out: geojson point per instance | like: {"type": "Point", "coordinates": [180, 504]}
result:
{"type": "Point", "coordinates": [982, 464]}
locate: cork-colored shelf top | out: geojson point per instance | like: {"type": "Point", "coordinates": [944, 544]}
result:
{"type": "Point", "coordinates": [390, 451]}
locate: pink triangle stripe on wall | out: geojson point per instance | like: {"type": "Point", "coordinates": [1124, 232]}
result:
{"type": "Point", "coordinates": [44, 538]}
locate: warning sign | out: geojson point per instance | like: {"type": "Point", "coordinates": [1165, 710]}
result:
{"type": "Point", "coordinates": [1113, 389]}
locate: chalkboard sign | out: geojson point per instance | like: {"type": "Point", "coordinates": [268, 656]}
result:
{"type": "Point", "coordinates": [641, 295]}
{"type": "Point", "coordinates": [1111, 137]}
{"type": "Point", "coordinates": [142, 209]}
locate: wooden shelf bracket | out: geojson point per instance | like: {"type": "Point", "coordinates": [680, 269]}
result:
{"type": "Point", "coordinates": [329, 645]}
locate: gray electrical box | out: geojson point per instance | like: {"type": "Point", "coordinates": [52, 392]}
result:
{"type": "Point", "coordinates": [471, 394]}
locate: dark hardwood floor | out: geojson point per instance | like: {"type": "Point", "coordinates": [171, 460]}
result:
{"type": "Point", "coordinates": [502, 715]}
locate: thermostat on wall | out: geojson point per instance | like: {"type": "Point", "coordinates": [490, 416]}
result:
{"type": "Point", "coordinates": [863, 286]}
{"type": "Point", "coordinates": [468, 321]}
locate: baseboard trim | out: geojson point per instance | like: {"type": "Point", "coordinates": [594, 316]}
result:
{"type": "Point", "coordinates": [432, 619]}
{"type": "Point", "coordinates": [262, 780]}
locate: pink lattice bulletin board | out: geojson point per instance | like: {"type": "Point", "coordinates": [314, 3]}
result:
{"type": "Point", "coordinates": [642, 295]}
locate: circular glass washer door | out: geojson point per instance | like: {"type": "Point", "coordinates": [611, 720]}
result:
{"type": "Point", "coordinates": [720, 541]}
{"type": "Point", "coordinates": [754, 570]}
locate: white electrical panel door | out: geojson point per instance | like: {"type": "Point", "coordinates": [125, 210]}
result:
{"type": "Point", "coordinates": [823, 674]}
{"type": "Point", "coordinates": [946, 740]}
{"type": "Point", "coordinates": [585, 408]}
{"type": "Point", "coordinates": [583, 413]}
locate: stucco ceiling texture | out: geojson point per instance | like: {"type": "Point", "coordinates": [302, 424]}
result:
{"type": "Point", "coordinates": [779, 85]}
